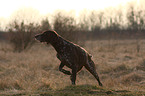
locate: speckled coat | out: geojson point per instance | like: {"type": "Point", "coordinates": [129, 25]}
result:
{"type": "Point", "coordinates": [70, 55]}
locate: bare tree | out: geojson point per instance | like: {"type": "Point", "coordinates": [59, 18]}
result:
{"type": "Point", "coordinates": [45, 25]}
{"type": "Point", "coordinates": [66, 27]}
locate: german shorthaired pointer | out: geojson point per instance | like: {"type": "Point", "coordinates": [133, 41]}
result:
{"type": "Point", "coordinates": [70, 55]}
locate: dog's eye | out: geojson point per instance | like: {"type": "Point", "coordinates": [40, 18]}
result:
{"type": "Point", "coordinates": [45, 33]}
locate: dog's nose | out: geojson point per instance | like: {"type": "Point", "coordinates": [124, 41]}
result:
{"type": "Point", "coordinates": [38, 37]}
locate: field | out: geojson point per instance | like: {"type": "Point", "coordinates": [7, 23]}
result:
{"type": "Point", "coordinates": [119, 63]}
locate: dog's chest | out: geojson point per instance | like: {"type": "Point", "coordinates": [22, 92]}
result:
{"type": "Point", "coordinates": [65, 58]}
{"type": "Point", "coordinates": [66, 53]}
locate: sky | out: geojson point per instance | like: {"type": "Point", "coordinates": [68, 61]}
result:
{"type": "Point", "coordinates": [8, 7]}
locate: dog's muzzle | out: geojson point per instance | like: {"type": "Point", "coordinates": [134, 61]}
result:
{"type": "Point", "coordinates": [38, 37]}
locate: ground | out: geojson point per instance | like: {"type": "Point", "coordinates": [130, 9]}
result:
{"type": "Point", "coordinates": [119, 63]}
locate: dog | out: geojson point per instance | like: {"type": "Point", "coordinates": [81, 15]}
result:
{"type": "Point", "coordinates": [70, 55]}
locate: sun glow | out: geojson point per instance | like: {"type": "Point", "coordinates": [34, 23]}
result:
{"type": "Point", "coordinates": [9, 7]}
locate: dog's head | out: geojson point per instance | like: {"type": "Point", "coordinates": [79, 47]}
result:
{"type": "Point", "coordinates": [47, 36]}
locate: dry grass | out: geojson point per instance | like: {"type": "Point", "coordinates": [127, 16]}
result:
{"type": "Point", "coordinates": [118, 63]}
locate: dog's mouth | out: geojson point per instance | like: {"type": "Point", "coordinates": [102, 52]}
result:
{"type": "Point", "coordinates": [38, 38]}
{"type": "Point", "coordinates": [40, 41]}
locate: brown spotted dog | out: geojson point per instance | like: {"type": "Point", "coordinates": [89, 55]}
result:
{"type": "Point", "coordinates": [70, 55]}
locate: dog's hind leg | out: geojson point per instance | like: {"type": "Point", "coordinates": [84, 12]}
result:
{"type": "Point", "coordinates": [90, 66]}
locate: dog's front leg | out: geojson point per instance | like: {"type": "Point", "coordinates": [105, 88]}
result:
{"type": "Point", "coordinates": [73, 76]}
{"type": "Point", "coordinates": [62, 70]}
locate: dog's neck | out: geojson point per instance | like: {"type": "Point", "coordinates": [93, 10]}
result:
{"type": "Point", "coordinates": [58, 43]}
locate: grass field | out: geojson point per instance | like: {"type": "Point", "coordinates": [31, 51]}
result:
{"type": "Point", "coordinates": [35, 72]}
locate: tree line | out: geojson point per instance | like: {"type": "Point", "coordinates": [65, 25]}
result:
{"type": "Point", "coordinates": [94, 25]}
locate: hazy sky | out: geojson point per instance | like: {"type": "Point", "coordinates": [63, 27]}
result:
{"type": "Point", "coordinates": [7, 7]}
{"type": "Point", "coordinates": [35, 9]}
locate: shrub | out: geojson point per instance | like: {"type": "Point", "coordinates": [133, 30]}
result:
{"type": "Point", "coordinates": [21, 36]}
